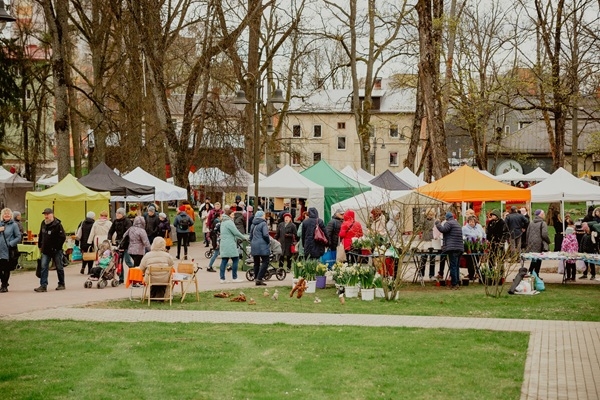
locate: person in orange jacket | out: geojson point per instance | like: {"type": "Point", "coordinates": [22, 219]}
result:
{"type": "Point", "coordinates": [189, 210]}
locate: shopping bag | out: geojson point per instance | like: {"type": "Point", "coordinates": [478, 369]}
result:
{"type": "Point", "coordinates": [76, 255]}
{"type": "Point", "coordinates": [340, 253]}
{"type": "Point", "coordinates": [168, 240]}
{"type": "Point", "coordinates": [294, 248]}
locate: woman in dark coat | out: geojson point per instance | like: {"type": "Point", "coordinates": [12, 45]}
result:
{"type": "Point", "coordinates": [287, 236]}
{"type": "Point", "coordinates": [259, 247]}
{"type": "Point", "coordinates": [81, 239]}
{"type": "Point", "coordinates": [164, 228]}
{"type": "Point", "coordinates": [312, 249]}
{"type": "Point", "coordinates": [497, 233]}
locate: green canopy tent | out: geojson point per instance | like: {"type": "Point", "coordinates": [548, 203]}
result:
{"type": "Point", "coordinates": [338, 187]}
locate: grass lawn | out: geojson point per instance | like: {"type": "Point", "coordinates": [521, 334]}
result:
{"type": "Point", "coordinates": [558, 302]}
{"type": "Point", "coordinates": [82, 360]}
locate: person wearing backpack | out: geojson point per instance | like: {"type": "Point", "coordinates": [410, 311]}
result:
{"type": "Point", "coordinates": [182, 224]}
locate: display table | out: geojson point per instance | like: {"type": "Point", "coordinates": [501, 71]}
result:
{"type": "Point", "coordinates": [417, 254]}
{"type": "Point", "coordinates": [562, 256]}
{"type": "Point", "coordinates": [31, 251]}
{"type": "Point", "coordinates": [134, 275]}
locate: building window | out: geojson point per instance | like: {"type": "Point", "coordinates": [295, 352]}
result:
{"type": "Point", "coordinates": [341, 125]}
{"type": "Point", "coordinates": [28, 94]}
{"type": "Point", "coordinates": [295, 158]}
{"type": "Point", "coordinates": [316, 131]}
{"type": "Point", "coordinates": [523, 124]}
{"type": "Point", "coordinates": [394, 158]}
{"type": "Point", "coordinates": [296, 131]}
{"type": "Point", "coordinates": [341, 142]}
{"type": "Point", "coordinates": [316, 157]}
{"type": "Point", "coordinates": [394, 131]}
{"type": "Point", "coordinates": [507, 129]}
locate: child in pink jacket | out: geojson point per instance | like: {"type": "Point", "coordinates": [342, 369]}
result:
{"type": "Point", "coordinates": [570, 245]}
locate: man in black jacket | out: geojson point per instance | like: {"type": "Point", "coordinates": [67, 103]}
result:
{"type": "Point", "coordinates": [50, 241]}
{"type": "Point", "coordinates": [152, 221]}
{"type": "Point", "coordinates": [517, 224]}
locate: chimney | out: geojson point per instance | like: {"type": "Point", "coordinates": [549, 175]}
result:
{"type": "Point", "coordinates": [377, 85]}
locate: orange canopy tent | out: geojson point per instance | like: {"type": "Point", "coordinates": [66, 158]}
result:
{"type": "Point", "coordinates": [466, 184]}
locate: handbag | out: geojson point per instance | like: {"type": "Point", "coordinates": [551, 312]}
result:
{"type": "Point", "coordinates": [77, 255]}
{"type": "Point", "coordinates": [319, 235]}
{"type": "Point", "coordinates": [168, 240]}
{"type": "Point", "coordinates": [340, 252]}
{"type": "Point", "coordinates": [294, 248]}
{"type": "Point", "coordinates": [13, 254]}
{"type": "Point", "coordinates": [89, 256]}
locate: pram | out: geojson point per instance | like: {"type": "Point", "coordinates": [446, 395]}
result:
{"type": "Point", "coordinates": [280, 273]}
{"type": "Point", "coordinates": [103, 274]}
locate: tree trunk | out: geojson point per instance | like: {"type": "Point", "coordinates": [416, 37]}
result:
{"type": "Point", "coordinates": [429, 77]}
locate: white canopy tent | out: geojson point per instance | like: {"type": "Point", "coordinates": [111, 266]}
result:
{"type": "Point", "coordinates": [400, 200]}
{"type": "Point", "coordinates": [48, 181]}
{"type": "Point", "coordinates": [509, 176]}
{"type": "Point", "coordinates": [563, 186]}
{"type": "Point", "coordinates": [288, 183]}
{"type": "Point", "coordinates": [164, 190]}
{"type": "Point", "coordinates": [537, 174]}
{"type": "Point", "coordinates": [486, 173]}
{"type": "Point", "coordinates": [206, 176]}
{"type": "Point", "coordinates": [360, 175]}
{"type": "Point", "coordinates": [4, 174]}
{"type": "Point", "coordinates": [409, 177]}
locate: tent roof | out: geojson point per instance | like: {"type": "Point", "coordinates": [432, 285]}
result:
{"type": "Point", "coordinates": [206, 176]}
{"type": "Point", "coordinates": [466, 184]}
{"type": "Point", "coordinates": [4, 174]}
{"type": "Point", "coordinates": [537, 174]}
{"type": "Point", "coordinates": [102, 178]}
{"type": "Point", "coordinates": [68, 188]}
{"type": "Point", "coordinates": [15, 181]}
{"type": "Point", "coordinates": [389, 181]}
{"type": "Point", "coordinates": [510, 175]}
{"type": "Point", "coordinates": [562, 185]}
{"type": "Point", "coordinates": [486, 173]}
{"type": "Point", "coordinates": [48, 181]}
{"type": "Point", "coordinates": [164, 191]}
{"type": "Point", "coordinates": [327, 176]}
{"type": "Point", "coordinates": [409, 177]}
{"type": "Point", "coordinates": [360, 176]}
{"type": "Point", "coordinates": [240, 178]}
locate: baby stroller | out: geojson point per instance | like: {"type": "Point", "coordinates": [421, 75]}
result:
{"type": "Point", "coordinates": [275, 246]}
{"type": "Point", "coordinates": [106, 267]}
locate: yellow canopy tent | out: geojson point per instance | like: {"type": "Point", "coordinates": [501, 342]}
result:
{"type": "Point", "coordinates": [466, 184]}
{"type": "Point", "coordinates": [70, 200]}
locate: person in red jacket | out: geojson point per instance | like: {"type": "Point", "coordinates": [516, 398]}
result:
{"type": "Point", "coordinates": [350, 229]}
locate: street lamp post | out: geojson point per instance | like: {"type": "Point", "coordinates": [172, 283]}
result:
{"type": "Point", "coordinates": [375, 142]}
{"type": "Point", "coordinates": [240, 103]}
{"type": "Point", "coordinates": [5, 17]}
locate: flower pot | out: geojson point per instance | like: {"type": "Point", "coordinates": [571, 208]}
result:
{"type": "Point", "coordinates": [311, 286]}
{"type": "Point", "coordinates": [321, 282]}
{"type": "Point", "coordinates": [367, 294]}
{"type": "Point", "coordinates": [379, 293]}
{"type": "Point", "coordinates": [365, 252]}
{"type": "Point", "coordinates": [351, 291]}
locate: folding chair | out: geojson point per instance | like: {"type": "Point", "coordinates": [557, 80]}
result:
{"type": "Point", "coordinates": [185, 276]}
{"type": "Point", "coordinates": [156, 277]}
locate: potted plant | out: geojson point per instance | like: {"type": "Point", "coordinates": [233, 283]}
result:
{"type": "Point", "coordinates": [366, 277]}
{"type": "Point", "coordinates": [309, 272]}
{"type": "Point", "coordinates": [320, 276]}
{"type": "Point", "coordinates": [347, 275]}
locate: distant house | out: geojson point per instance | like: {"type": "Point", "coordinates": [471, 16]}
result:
{"type": "Point", "coordinates": [320, 125]}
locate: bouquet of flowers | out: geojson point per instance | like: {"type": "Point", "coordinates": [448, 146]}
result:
{"type": "Point", "coordinates": [321, 269]}
{"type": "Point", "coordinates": [346, 275]}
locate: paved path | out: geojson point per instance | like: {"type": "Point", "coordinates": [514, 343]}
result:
{"type": "Point", "coordinates": [562, 356]}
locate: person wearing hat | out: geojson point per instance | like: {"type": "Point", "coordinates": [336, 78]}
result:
{"type": "Point", "coordinates": [115, 235]}
{"type": "Point", "coordinates": [569, 245]}
{"type": "Point", "coordinates": [516, 224]}
{"type": "Point", "coordinates": [497, 233]}
{"type": "Point", "coordinates": [50, 241]}
{"type": "Point", "coordinates": [453, 245]}
{"type": "Point", "coordinates": [260, 247]}
{"type": "Point", "coordinates": [164, 229]}
{"type": "Point", "coordinates": [287, 235]}
{"type": "Point", "coordinates": [537, 239]}
{"type": "Point", "coordinates": [81, 239]}
{"type": "Point", "coordinates": [182, 224]}
{"type": "Point", "coordinates": [332, 230]}
{"type": "Point", "coordinates": [99, 231]}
